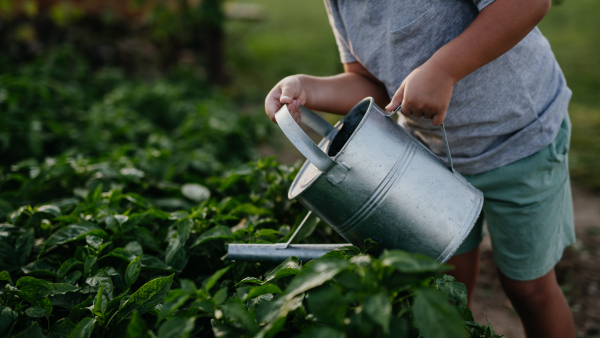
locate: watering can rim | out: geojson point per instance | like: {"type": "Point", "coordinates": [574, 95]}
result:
{"type": "Point", "coordinates": [326, 143]}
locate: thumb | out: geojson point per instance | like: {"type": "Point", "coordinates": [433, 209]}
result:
{"type": "Point", "coordinates": [397, 99]}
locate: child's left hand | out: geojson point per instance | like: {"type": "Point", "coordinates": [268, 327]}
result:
{"type": "Point", "coordinates": [424, 92]}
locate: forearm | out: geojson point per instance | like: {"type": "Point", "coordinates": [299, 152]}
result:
{"type": "Point", "coordinates": [339, 93]}
{"type": "Point", "coordinates": [498, 28]}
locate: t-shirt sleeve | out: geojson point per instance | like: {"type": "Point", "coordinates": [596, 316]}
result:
{"type": "Point", "coordinates": [340, 32]}
{"type": "Point", "coordinates": [481, 4]}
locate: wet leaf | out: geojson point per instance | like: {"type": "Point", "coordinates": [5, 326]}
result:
{"type": "Point", "coordinates": [7, 316]}
{"type": "Point", "coordinates": [177, 327]}
{"type": "Point", "coordinates": [83, 329]}
{"type": "Point", "coordinates": [133, 270]}
{"type": "Point", "coordinates": [196, 192]}
{"type": "Point", "coordinates": [290, 266]}
{"type": "Point", "coordinates": [210, 281]}
{"type": "Point", "coordinates": [146, 297]}
{"type": "Point", "coordinates": [218, 232]}
{"type": "Point", "coordinates": [36, 312]}
{"type": "Point", "coordinates": [73, 232]}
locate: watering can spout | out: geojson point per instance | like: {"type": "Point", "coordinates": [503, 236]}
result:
{"type": "Point", "coordinates": [271, 252]}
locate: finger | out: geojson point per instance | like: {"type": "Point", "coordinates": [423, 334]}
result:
{"type": "Point", "coordinates": [406, 110]}
{"type": "Point", "coordinates": [428, 114]}
{"type": "Point", "coordinates": [288, 93]}
{"type": "Point", "coordinates": [438, 118]}
{"type": "Point", "coordinates": [397, 99]}
{"type": "Point", "coordinates": [417, 112]}
{"type": "Point", "coordinates": [272, 103]}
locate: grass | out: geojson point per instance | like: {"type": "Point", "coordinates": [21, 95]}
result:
{"type": "Point", "coordinates": [296, 38]}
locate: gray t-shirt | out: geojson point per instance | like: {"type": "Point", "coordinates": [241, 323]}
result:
{"type": "Point", "coordinates": [504, 111]}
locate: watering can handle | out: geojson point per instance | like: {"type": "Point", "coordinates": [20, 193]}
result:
{"type": "Point", "coordinates": [443, 135]}
{"type": "Point", "coordinates": [336, 172]}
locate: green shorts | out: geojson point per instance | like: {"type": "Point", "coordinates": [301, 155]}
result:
{"type": "Point", "coordinates": [529, 210]}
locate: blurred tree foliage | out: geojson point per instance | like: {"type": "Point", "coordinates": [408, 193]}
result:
{"type": "Point", "coordinates": [140, 36]}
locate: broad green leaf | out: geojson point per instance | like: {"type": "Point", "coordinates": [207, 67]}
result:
{"type": "Point", "coordinates": [290, 266]}
{"type": "Point", "coordinates": [435, 317]}
{"type": "Point", "coordinates": [72, 277]}
{"type": "Point", "coordinates": [241, 318]}
{"type": "Point", "coordinates": [326, 304]}
{"type": "Point", "coordinates": [271, 312]}
{"type": "Point", "coordinates": [133, 270]}
{"type": "Point", "coordinates": [89, 262]}
{"type": "Point", "coordinates": [24, 246]}
{"type": "Point", "coordinates": [36, 312]}
{"type": "Point", "coordinates": [146, 297]}
{"type": "Point", "coordinates": [172, 250]}
{"type": "Point", "coordinates": [62, 288]}
{"type": "Point", "coordinates": [44, 303]}
{"type": "Point", "coordinates": [83, 329]}
{"type": "Point", "coordinates": [34, 331]}
{"type": "Point", "coordinates": [98, 303]}
{"type": "Point", "coordinates": [94, 241]}
{"type": "Point", "coordinates": [249, 209]}
{"type": "Point", "coordinates": [315, 274]}
{"type": "Point", "coordinates": [66, 266]}
{"type": "Point", "coordinates": [173, 300]}
{"type": "Point", "coordinates": [7, 316]}
{"type": "Point", "coordinates": [177, 327]}
{"type": "Point", "coordinates": [134, 248]}
{"type": "Point", "coordinates": [183, 230]}
{"type": "Point", "coordinates": [196, 192]}
{"type": "Point", "coordinates": [379, 308]}
{"type": "Point", "coordinates": [412, 263]}
{"type": "Point", "coordinates": [137, 327]}
{"type": "Point", "coordinates": [307, 229]}
{"type": "Point", "coordinates": [49, 209]}
{"type": "Point", "coordinates": [147, 239]}
{"type": "Point", "coordinates": [322, 332]}
{"type": "Point", "coordinates": [188, 286]}
{"type": "Point", "coordinates": [252, 280]}
{"type": "Point", "coordinates": [262, 290]}
{"type": "Point", "coordinates": [455, 291]}
{"type": "Point", "coordinates": [32, 288]}
{"type": "Point", "coordinates": [155, 264]}
{"type": "Point", "coordinates": [73, 232]}
{"type": "Point", "coordinates": [210, 281]}
{"type": "Point", "coordinates": [81, 310]}
{"type": "Point", "coordinates": [61, 329]}
{"type": "Point", "coordinates": [218, 232]}
{"type": "Point", "coordinates": [42, 267]}
{"type": "Point", "coordinates": [94, 282]}
{"type": "Point", "coordinates": [5, 276]}
{"type": "Point", "coordinates": [220, 296]}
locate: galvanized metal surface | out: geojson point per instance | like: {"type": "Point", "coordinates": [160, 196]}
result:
{"type": "Point", "coordinates": [270, 252]}
{"type": "Point", "coordinates": [384, 185]}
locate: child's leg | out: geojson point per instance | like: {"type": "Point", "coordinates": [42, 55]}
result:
{"type": "Point", "coordinates": [466, 269]}
{"type": "Point", "coordinates": [541, 305]}
{"type": "Point", "coordinates": [529, 211]}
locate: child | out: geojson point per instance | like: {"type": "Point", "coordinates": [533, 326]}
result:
{"type": "Point", "coordinates": [483, 68]}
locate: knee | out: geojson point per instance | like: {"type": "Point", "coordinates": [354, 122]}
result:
{"type": "Point", "coordinates": [531, 294]}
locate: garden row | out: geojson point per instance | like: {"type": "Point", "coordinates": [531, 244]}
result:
{"type": "Point", "coordinates": [120, 197]}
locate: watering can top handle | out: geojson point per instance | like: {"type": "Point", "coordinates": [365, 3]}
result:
{"type": "Point", "coordinates": [336, 172]}
{"type": "Point", "coordinates": [443, 135]}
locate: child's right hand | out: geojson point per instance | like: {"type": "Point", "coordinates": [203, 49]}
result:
{"type": "Point", "coordinates": [288, 91]}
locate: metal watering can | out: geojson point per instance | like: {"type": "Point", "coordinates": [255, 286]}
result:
{"type": "Point", "coordinates": [369, 178]}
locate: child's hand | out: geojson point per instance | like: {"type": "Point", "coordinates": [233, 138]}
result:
{"type": "Point", "coordinates": [288, 91]}
{"type": "Point", "coordinates": [424, 92]}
